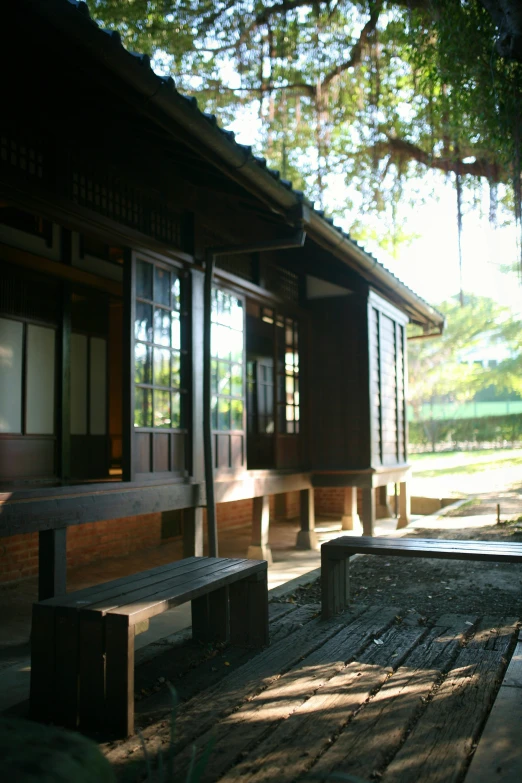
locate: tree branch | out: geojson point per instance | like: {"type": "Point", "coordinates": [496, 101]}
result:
{"type": "Point", "coordinates": [358, 48]}
{"type": "Point", "coordinates": [402, 149]}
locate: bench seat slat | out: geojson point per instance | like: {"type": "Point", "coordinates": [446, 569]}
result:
{"type": "Point", "coordinates": [112, 587]}
{"type": "Point", "coordinates": [425, 547]}
{"type": "Point", "coordinates": [175, 583]}
{"type": "Point", "coordinates": [143, 609]}
{"type": "Point", "coordinates": [117, 595]}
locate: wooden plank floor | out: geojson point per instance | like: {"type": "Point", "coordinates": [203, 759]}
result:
{"type": "Point", "coordinates": [375, 692]}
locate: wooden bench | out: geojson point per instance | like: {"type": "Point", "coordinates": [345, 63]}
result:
{"type": "Point", "coordinates": [82, 643]}
{"type": "Point", "coordinates": [335, 555]}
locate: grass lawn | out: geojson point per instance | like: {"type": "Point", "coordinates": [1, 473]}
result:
{"type": "Point", "coordinates": [461, 473]}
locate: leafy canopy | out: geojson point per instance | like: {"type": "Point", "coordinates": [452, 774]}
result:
{"type": "Point", "coordinates": [377, 91]}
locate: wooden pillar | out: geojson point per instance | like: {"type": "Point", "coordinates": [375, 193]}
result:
{"type": "Point", "coordinates": [368, 510]}
{"type": "Point", "coordinates": [404, 505]}
{"type": "Point", "coordinates": [350, 516]}
{"type": "Point", "coordinates": [307, 537]}
{"type": "Point", "coordinates": [52, 563]}
{"type": "Point", "coordinates": [259, 548]}
{"type": "Point", "coordinates": [192, 532]}
{"type": "Point", "coordinates": [383, 509]}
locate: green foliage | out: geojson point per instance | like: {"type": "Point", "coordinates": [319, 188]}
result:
{"type": "Point", "coordinates": [435, 367]}
{"type": "Point", "coordinates": [378, 90]}
{"type": "Point", "coordinates": [491, 429]}
{"type": "Point", "coordinates": [32, 753]}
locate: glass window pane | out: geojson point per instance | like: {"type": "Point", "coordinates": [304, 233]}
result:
{"type": "Point", "coordinates": [78, 384]}
{"type": "Point", "coordinates": [142, 407]}
{"type": "Point", "coordinates": [176, 331]}
{"type": "Point", "coordinates": [142, 363]}
{"type": "Point", "coordinates": [40, 380]}
{"type": "Point", "coordinates": [176, 410]}
{"type": "Point", "coordinates": [161, 326]}
{"type": "Point", "coordinates": [236, 345]}
{"type": "Point", "coordinates": [237, 381]}
{"type": "Point", "coordinates": [224, 342]}
{"type": "Point", "coordinates": [162, 417]}
{"type": "Point", "coordinates": [161, 367]}
{"type": "Point", "coordinates": [98, 386]}
{"type": "Point", "coordinates": [223, 414]}
{"type": "Point", "coordinates": [290, 427]}
{"type": "Point", "coordinates": [11, 339]}
{"type": "Point", "coordinates": [289, 412]}
{"type": "Point", "coordinates": [223, 378]}
{"type": "Point", "coordinates": [161, 286]}
{"type": "Point", "coordinates": [214, 339]}
{"type": "Point", "coordinates": [176, 369]}
{"type": "Point", "coordinates": [143, 322]}
{"type": "Point", "coordinates": [144, 280]}
{"type": "Point", "coordinates": [289, 389]}
{"type": "Point", "coordinates": [176, 291]}
{"type": "Point", "coordinates": [237, 414]}
{"type": "Point", "coordinates": [213, 407]}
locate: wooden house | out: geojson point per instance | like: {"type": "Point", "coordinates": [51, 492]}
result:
{"type": "Point", "coordinates": [179, 328]}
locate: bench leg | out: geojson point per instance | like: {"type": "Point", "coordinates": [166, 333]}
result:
{"type": "Point", "coordinates": [66, 667]}
{"type": "Point", "coordinates": [42, 690]}
{"type": "Point", "coordinates": [249, 611]}
{"type": "Point", "coordinates": [92, 670]}
{"type": "Point", "coordinates": [335, 584]}
{"type": "Point", "coordinates": [211, 617]}
{"type": "Point", "coordinates": [119, 698]}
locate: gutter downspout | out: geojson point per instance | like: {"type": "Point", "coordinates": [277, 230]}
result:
{"type": "Point", "coordinates": [211, 254]}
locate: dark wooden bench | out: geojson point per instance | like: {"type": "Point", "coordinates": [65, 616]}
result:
{"type": "Point", "coordinates": [82, 643]}
{"type": "Point", "coordinates": [335, 558]}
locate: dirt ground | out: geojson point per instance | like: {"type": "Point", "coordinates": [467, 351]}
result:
{"type": "Point", "coordinates": [431, 587]}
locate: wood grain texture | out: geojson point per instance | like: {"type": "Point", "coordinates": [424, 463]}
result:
{"type": "Point", "coordinates": [439, 746]}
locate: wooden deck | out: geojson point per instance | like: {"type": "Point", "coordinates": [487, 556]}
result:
{"type": "Point", "coordinates": [375, 692]}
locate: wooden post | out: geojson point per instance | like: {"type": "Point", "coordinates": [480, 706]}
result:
{"type": "Point", "coordinates": [404, 505]}
{"type": "Point", "coordinates": [119, 675]}
{"type": "Point", "coordinates": [350, 516]}
{"type": "Point", "coordinates": [307, 537]}
{"type": "Point", "coordinates": [52, 563]}
{"type": "Point", "coordinates": [259, 549]}
{"type": "Point", "coordinates": [368, 510]}
{"type": "Point", "coordinates": [383, 509]}
{"type": "Point", "coordinates": [192, 532]}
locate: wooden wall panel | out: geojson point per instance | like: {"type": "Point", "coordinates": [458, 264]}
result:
{"type": "Point", "coordinates": [338, 383]}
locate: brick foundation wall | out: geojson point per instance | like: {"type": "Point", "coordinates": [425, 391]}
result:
{"type": "Point", "coordinates": [18, 557]}
{"type": "Point", "coordinates": [116, 537]}
{"type": "Point", "coordinates": [329, 500]}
